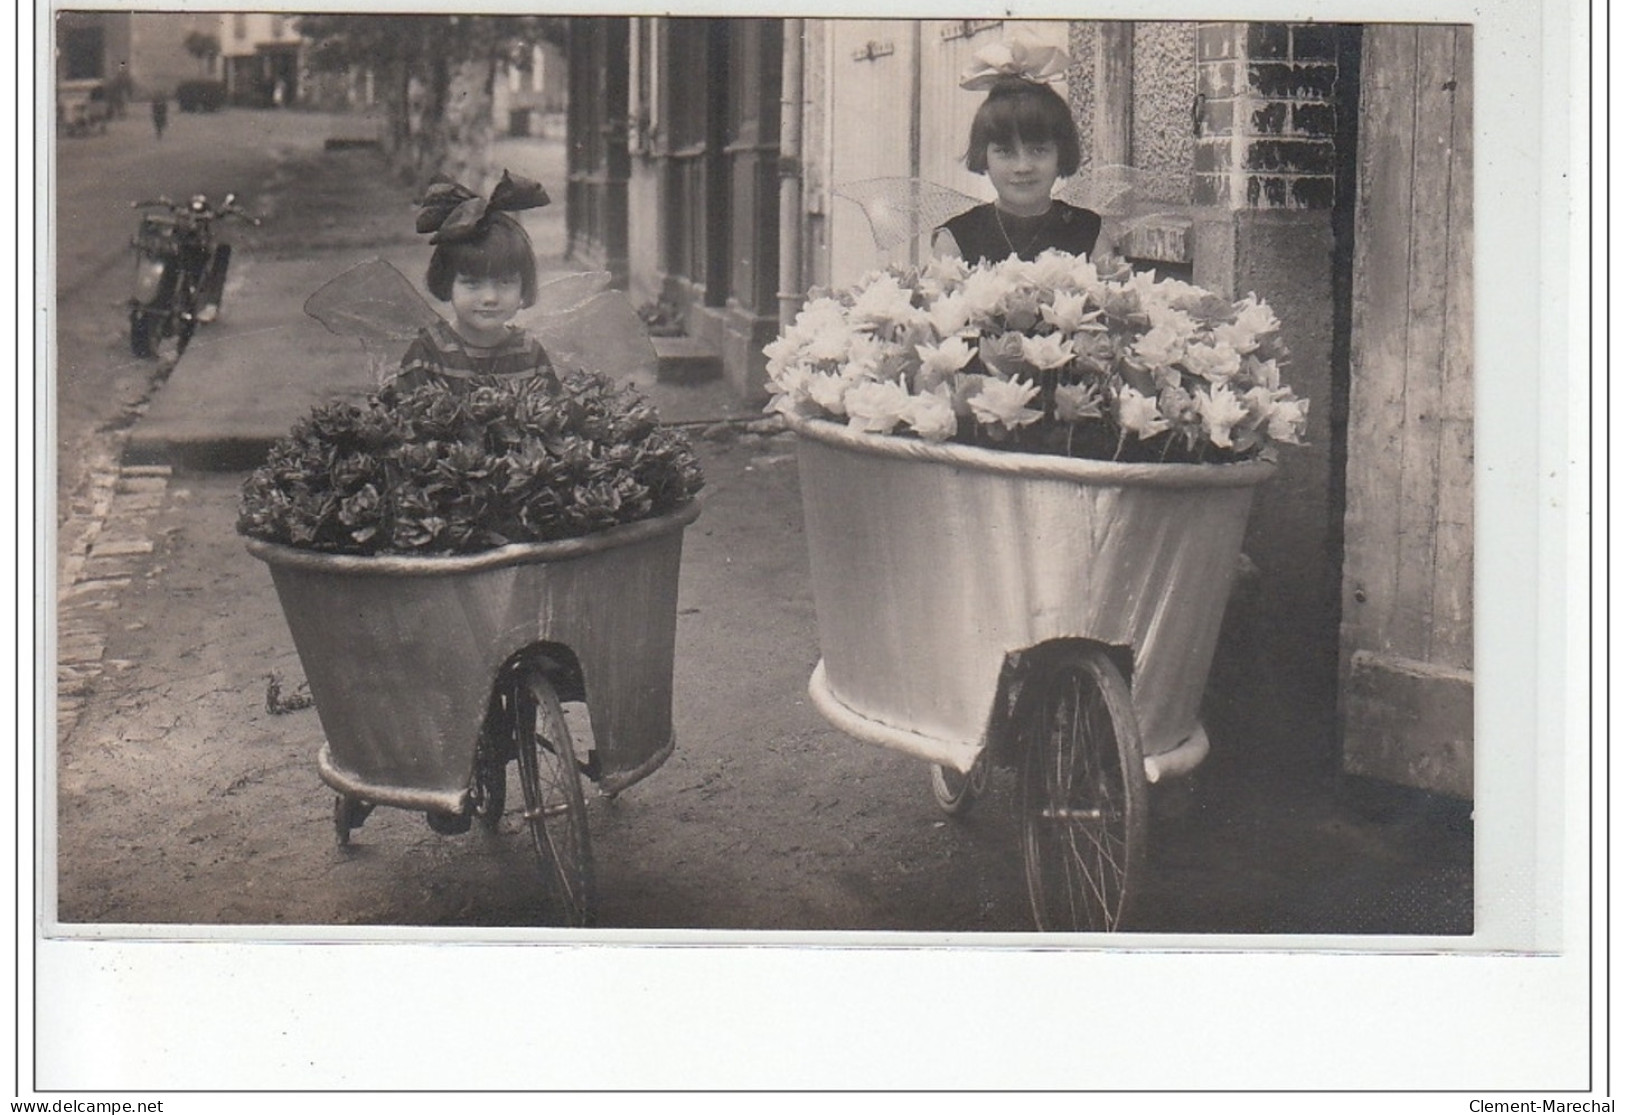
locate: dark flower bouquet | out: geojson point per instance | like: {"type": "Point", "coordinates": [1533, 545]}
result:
{"type": "Point", "coordinates": [433, 471]}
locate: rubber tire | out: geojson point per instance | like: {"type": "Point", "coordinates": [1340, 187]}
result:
{"type": "Point", "coordinates": [555, 806]}
{"type": "Point", "coordinates": [211, 290]}
{"type": "Point", "coordinates": [1084, 799]}
{"type": "Point", "coordinates": [142, 341]}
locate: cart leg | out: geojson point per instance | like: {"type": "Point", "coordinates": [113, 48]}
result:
{"type": "Point", "coordinates": [555, 807]}
{"type": "Point", "coordinates": [1084, 799]}
{"type": "Point", "coordinates": [955, 793]}
{"type": "Point", "coordinates": [349, 813]}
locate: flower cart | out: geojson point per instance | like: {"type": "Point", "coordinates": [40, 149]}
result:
{"type": "Point", "coordinates": [432, 670]}
{"type": "Point", "coordinates": [986, 597]}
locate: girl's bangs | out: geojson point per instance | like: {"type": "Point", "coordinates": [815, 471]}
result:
{"type": "Point", "coordinates": [505, 250]}
{"type": "Point", "coordinates": [1024, 119]}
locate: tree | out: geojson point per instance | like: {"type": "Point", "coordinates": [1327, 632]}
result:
{"type": "Point", "coordinates": [436, 73]}
{"type": "Point", "coordinates": [204, 47]}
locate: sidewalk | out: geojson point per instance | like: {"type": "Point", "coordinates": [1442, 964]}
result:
{"type": "Point", "coordinates": [246, 379]}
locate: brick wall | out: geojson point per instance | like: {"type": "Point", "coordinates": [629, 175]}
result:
{"type": "Point", "coordinates": [1266, 117]}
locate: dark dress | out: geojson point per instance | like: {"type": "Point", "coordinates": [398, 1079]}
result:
{"type": "Point", "coordinates": [1065, 227]}
{"type": "Point", "coordinates": [440, 355]}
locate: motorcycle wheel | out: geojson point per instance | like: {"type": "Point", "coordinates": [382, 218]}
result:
{"type": "Point", "coordinates": [183, 332]}
{"type": "Point", "coordinates": [143, 342]}
{"type": "Point", "coordinates": [212, 290]}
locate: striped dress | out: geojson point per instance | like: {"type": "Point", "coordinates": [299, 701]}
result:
{"type": "Point", "coordinates": [439, 355]}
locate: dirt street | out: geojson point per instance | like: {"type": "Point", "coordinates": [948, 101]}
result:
{"type": "Point", "coordinates": [183, 800]}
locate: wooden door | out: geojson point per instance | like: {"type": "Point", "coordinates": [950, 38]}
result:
{"type": "Point", "coordinates": [1407, 631]}
{"type": "Point", "coordinates": [897, 111]}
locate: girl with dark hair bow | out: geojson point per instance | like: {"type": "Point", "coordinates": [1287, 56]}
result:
{"type": "Point", "coordinates": [1023, 138]}
{"type": "Point", "coordinates": [484, 266]}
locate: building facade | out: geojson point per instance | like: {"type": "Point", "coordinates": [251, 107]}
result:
{"type": "Point", "coordinates": [262, 59]}
{"type": "Point", "coordinates": [707, 157]}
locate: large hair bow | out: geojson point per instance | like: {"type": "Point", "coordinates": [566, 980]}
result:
{"type": "Point", "coordinates": [1022, 56]}
{"type": "Point", "coordinates": [452, 211]}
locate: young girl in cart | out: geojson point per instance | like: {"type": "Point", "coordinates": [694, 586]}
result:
{"type": "Point", "coordinates": [1023, 138]}
{"type": "Point", "coordinates": [484, 266]}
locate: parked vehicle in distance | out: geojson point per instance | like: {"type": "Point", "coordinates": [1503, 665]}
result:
{"type": "Point", "coordinates": [180, 271]}
{"type": "Point", "coordinates": [200, 96]}
{"type": "Point", "coordinates": [83, 107]}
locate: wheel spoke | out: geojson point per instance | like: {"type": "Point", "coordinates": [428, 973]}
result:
{"type": "Point", "coordinates": [1083, 826]}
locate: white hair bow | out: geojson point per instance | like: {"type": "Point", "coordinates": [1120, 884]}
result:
{"type": "Point", "coordinates": [1022, 56]}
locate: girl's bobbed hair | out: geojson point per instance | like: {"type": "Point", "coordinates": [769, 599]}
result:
{"type": "Point", "coordinates": [500, 248]}
{"type": "Point", "coordinates": [1016, 108]}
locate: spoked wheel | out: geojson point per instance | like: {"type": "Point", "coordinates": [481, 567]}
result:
{"type": "Point", "coordinates": [1084, 800]}
{"type": "Point", "coordinates": [955, 792]}
{"type": "Point", "coordinates": [555, 808]}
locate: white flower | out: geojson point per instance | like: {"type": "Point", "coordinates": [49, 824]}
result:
{"type": "Point", "coordinates": [1162, 345]}
{"type": "Point", "coordinates": [931, 415]}
{"type": "Point", "coordinates": [829, 392]}
{"type": "Point", "coordinates": [884, 301]}
{"type": "Point", "coordinates": [1288, 420]}
{"type": "Point", "coordinates": [876, 406]}
{"type": "Point", "coordinates": [829, 345]}
{"type": "Point", "coordinates": [1054, 270]}
{"type": "Point", "coordinates": [1003, 402]}
{"type": "Point", "coordinates": [1221, 410]}
{"type": "Point", "coordinates": [1069, 313]}
{"type": "Point", "coordinates": [943, 273]}
{"type": "Point", "coordinates": [1082, 275]}
{"type": "Point", "coordinates": [1138, 414]}
{"type": "Point", "coordinates": [984, 292]}
{"type": "Point", "coordinates": [1077, 401]}
{"type": "Point", "coordinates": [864, 355]}
{"type": "Point", "coordinates": [1256, 316]}
{"type": "Point", "coordinates": [949, 314]}
{"type": "Point", "coordinates": [1047, 352]}
{"type": "Point", "coordinates": [939, 361]}
{"type": "Point", "coordinates": [1265, 373]}
{"type": "Point", "coordinates": [1164, 316]}
{"type": "Point", "coordinates": [1215, 363]}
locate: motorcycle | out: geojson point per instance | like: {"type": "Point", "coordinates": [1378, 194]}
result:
{"type": "Point", "coordinates": [180, 270]}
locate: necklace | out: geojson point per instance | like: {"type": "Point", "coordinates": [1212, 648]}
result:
{"type": "Point", "coordinates": [1038, 224]}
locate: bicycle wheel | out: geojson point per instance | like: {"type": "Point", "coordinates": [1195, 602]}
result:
{"type": "Point", "coordinates": [1084, 799]}
{"type": "Point", "coordinates": [555, 808]}
{"type": "Point", "coordinates": [955, 793]}
{"type": "Point", "coordinates": [212, 289]}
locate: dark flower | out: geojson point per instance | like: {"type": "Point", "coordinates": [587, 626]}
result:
{"type": "Point", "coordinates": [432, 471]}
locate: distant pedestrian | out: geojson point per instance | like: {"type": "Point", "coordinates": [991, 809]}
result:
{"type": "Point", "coordinates": [279, 93]}
{"type": "Point", "coordinates": [160, 115]}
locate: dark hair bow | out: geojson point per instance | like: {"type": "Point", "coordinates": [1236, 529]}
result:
{"type": "Point", "coordinates": [452, 211]}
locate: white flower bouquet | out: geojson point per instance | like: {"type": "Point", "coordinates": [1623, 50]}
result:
{"type": "Point", "coordinates": [1054, 356]}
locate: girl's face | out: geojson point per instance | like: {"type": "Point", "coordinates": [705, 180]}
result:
{"type": "Point", "coordinates": [1023, 174]}
{"type": "Point", "coordinates": [483, 307]}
